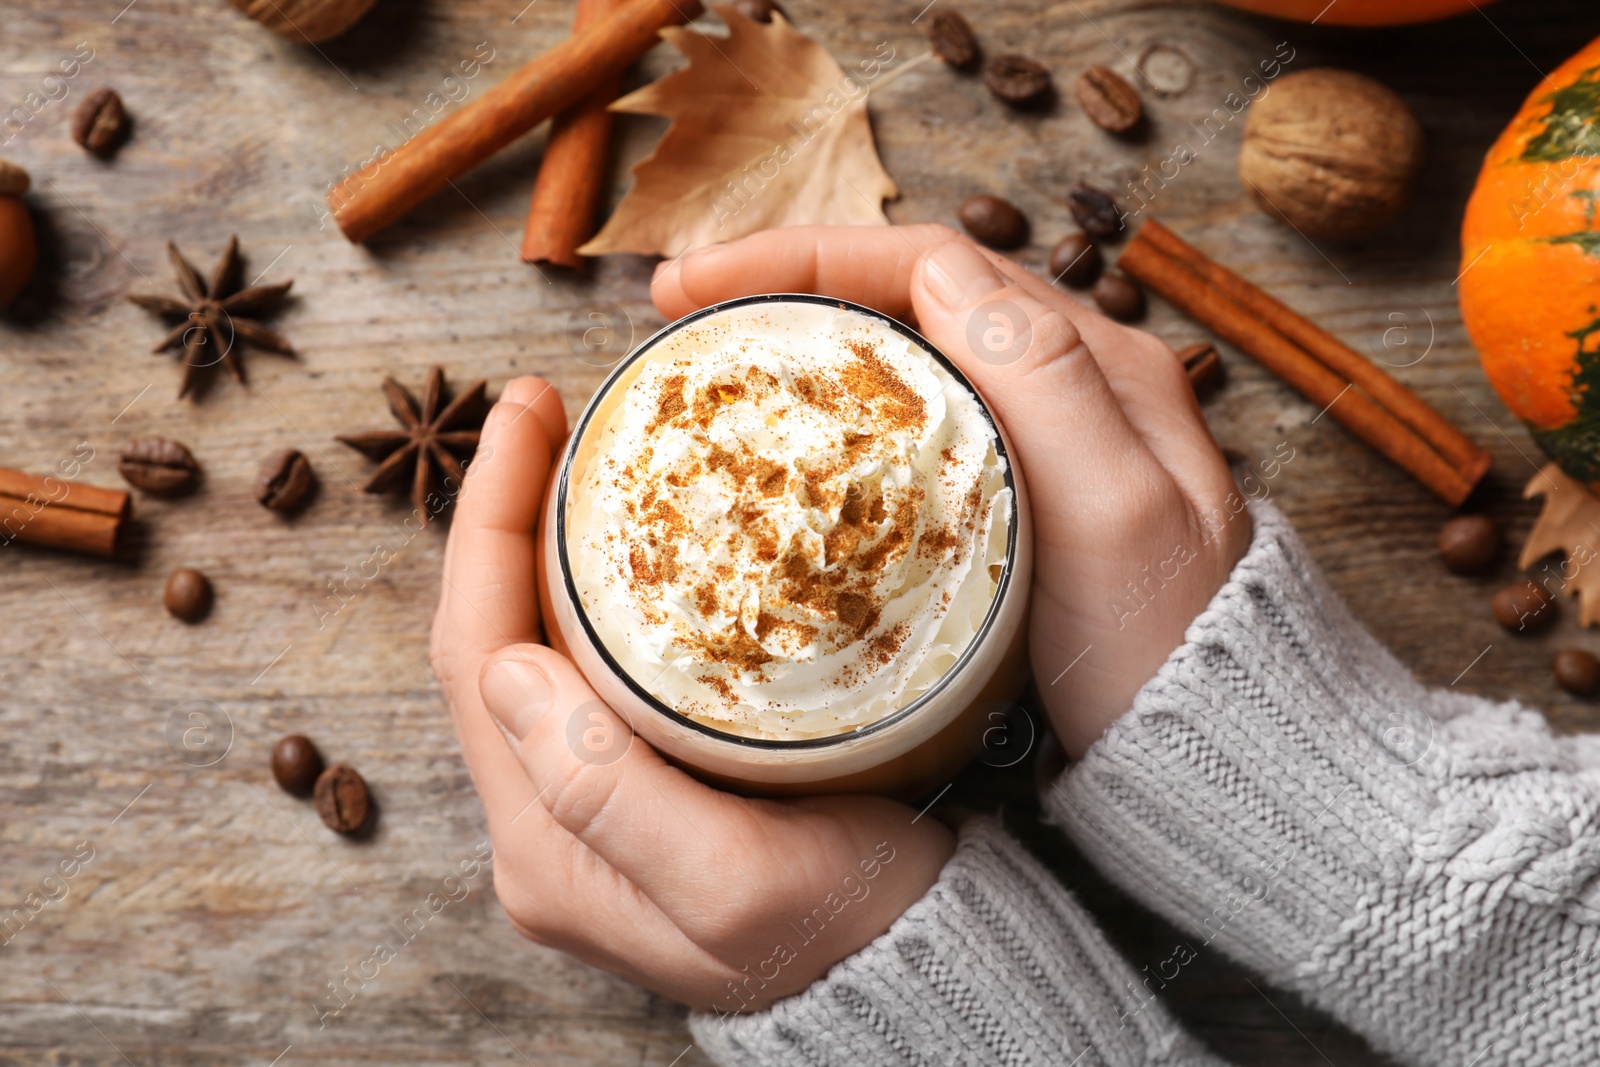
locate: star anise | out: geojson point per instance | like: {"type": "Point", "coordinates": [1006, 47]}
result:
{"type": "Point", "coordinates": [430, 451]}
{"type": "Point", "coordinates": [216, 315]}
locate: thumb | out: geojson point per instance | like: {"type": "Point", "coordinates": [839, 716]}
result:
{"type": "Point", "coordinates": [605, 786]}
{"type": "Point", "coordinates": [1033, 368]}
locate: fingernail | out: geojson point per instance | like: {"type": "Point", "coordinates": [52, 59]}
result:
{"type": "Point", "coordinates": [958, 275]}
{"type": "Point", "coordinates": [516, 693]}
{"type": "Point", "coordinates": [502, 412]}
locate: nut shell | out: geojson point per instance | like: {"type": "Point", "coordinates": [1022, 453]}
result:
{"type": "Point", "coordinates": [14, 181]}
{"type": "Point", "coordinates": [18, 250]}
{"type": "Point", "coordinates": [305, 21]}
{"type": "Point", "coordinates": [1334, 154]}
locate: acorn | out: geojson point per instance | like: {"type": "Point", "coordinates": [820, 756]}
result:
{"type": "Point", "coordinates": [18, 250]}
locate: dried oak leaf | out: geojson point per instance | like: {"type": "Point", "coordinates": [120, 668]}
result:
{"type": "Point", "coordinates": [766, 131]}
{"type": "Point", "coordinates": [1569, 523]}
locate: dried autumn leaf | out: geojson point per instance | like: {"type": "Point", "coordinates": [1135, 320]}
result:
{"type": "Point", "coordinates": [766, 131]}
{"type": "Point", "coordinates": [1569, 523]}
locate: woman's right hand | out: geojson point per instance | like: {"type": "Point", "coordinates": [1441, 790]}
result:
{"type": "Point", "coordinates": [1137, 521]}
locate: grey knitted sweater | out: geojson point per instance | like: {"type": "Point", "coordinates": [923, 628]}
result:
{"type": "Point", "coordinates": [1422, 864]}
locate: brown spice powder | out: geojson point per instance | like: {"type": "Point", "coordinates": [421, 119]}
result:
{"type": "Point", "coordinates": [836, 583]}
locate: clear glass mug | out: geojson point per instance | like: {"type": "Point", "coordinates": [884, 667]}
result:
{"type": "Point", "coordinates": [914, 748]}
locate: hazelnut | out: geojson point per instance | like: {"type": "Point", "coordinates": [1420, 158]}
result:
{"type": "Point", "coordinates": [18, 251]}
{"type": "Point", "coordinates": [305, 21]}
{"type": "Point", "coordinates": [1332, 153]}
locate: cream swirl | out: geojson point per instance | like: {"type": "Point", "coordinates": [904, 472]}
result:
{"type": "Point", "coordinates": [787, 520]}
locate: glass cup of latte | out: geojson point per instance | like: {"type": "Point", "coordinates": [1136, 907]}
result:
{"type": "Point", "coordinates": [786, 543]}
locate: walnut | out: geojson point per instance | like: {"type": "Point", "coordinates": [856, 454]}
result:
{"type": "Point", "coordinates": [1332, 153]}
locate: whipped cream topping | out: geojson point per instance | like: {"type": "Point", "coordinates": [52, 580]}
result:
{"type": "Point", "coordinates": [786, 520]}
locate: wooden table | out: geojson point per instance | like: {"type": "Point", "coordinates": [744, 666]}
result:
{"type": "Point", "coordinates": [215, 910]}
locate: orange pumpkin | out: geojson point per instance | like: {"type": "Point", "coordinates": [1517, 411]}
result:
{"type": "Point", "coordinates": [1358, 12]}
{"type": "Point", "coordinates": [1530, 261]}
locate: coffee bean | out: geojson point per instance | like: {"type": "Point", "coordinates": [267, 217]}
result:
{"type": "Point", "coordinates": [995, 222]}
{"type": "Point", "coordinates": [1018, 80]}
{"type": "Point", "coordinates": [1095, 211]}
{"type": "Point", "coordinates": [953, 40]}
{"type": "Point", "coordinates": [1119, 297]}
{"type": "Point", "coordinates": [296, 763]}
{"type": "Point", "coordinates": [1111, 103]}
{"type": "Point", "coordinates": [1076, 260]}
{"type": "Point", "coordinates": [1203, 365]}
{"type": "Point", "coordinates": [1469, 544]}
{"type": "Point", "coordinates": [100, 122]}
{"type": "Point", "coordinates": [285, 481]}
{"type": "Point", "coordinates": [342, 799]}
{"type": "Point", "coordinates": [1577, 671]}
{"type": "Point", "coordinates": [159, 466]}
{"type": "Point", "coordinates": [1524, 606]}
{"type": "Point", "coordinates": [188, 595]}
{"type": "Point", "coordinates": [760, 10]}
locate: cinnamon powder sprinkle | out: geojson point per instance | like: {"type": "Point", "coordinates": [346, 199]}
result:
{"type": "Point", "coordinates": [811, 595]}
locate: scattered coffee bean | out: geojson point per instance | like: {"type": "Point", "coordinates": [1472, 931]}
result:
{"type": "Point", "coordinates": [188, 595]}
{"type": "Point", "coordinates": [1095, 211]}
{"type": "Point", "coordinates": [1577, 671]}
{"type": "Point", "coordinates": [296, 763]}
{"type": "Point", "coordinates": [285, 481]}
{"type": "Point", "coordinates": [760, 10]}
{"type": "Point", "coordinates": [995, 222]}
{"type": "Point", "coordinates": [1018, 80]}
{"type": "Point", "coordinates": [1469, 544]}
{"type": "Point", "coordinates": [953, 40]}
{"type": "Point", "coordinates": [1119, 297]}
{"type": "Point", "coordinates": [159, 466]}
{"type": "Point", "coordinates": [1076, 260]}
{"type": "Point", "coordinates": [100, 122]}
{"type": "Point", "coordinates": [1203, 365]}
{"type": "Point", "coordinates": [1111, 103]}
{"type": "Point", "coordinates": [342, 799]}
{"type": "Point", "coordinates": [1524, 606]}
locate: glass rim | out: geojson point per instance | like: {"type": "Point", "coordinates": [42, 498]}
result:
{"type": "Point", "coordinates": [650, 700]}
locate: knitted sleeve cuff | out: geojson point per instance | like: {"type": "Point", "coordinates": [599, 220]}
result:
{"type": "Point", "coordinates": [1266, 774]}
{"type": "Point", "coordinates": [997, 964]}
{"type": "Point", "coordinates": [1284, 788]}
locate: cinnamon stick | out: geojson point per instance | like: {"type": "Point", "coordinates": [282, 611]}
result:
{"type": "Point", "coordinates": [1405, 405]}
{"type": "Point", "coordinates": [567, 191]}
{"type": "Point", "coordinates": [72, 494]}
{"type": "Point", "coordinates": [1347, 405]}
{"type": "Point", "coordinates": [59, 513]}
{"type": "Point", "coordinates": [375, 196]}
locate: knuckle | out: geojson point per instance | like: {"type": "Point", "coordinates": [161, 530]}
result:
{"type": "Point", "coordinates": [580, 799]}
{"type": "Point", "coordinates": [934, 234]}
{"type": "Point", "coordinates": [1055, 347]}
{"type": "Point", "coordinates": [720, 922]}
{"type": "Point", "coordinates": [440, 659]}
{"type": "Point", "coordinates": [524, 914]}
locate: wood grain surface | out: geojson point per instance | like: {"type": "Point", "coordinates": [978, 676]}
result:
{"type": "Point", "coordinates": [214, 911]}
